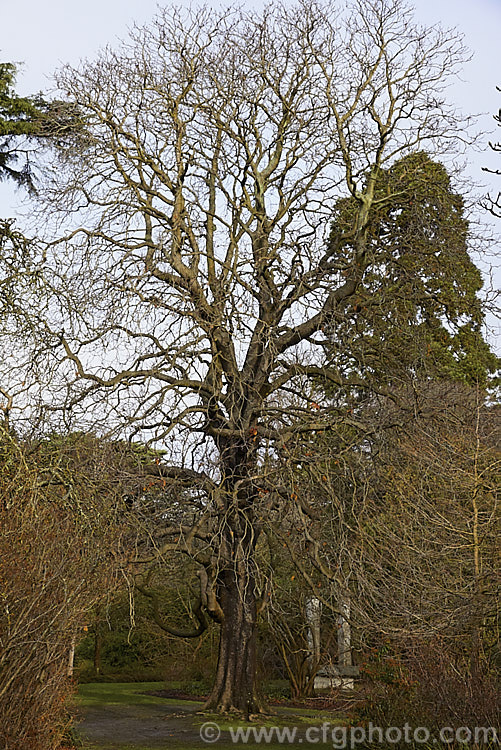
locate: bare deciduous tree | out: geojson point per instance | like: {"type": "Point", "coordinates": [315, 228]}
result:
{"type": "Point", "coordinates": [194, 279]}
{"type": "Point", "coordinates": [410, 518]}
{"type": "Point", "coordinates": [493, 204]}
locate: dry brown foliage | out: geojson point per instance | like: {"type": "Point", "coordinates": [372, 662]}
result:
{"type": "Point", "coordinates": [58, 555]}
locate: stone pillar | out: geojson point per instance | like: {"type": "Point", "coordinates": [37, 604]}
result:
{"type": "Point", "coordinates": [313, 611]}
{"type": "Point", "coordinates": [71, 657]}
{"type": "Point", "coordinates": [344, 632]}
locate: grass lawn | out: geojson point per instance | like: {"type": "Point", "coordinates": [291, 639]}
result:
{"type": "Point", "coordinates": [122, 693]}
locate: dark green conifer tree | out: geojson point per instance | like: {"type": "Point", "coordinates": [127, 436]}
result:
{"type": "Point", "coordinates": [28, 121]}
{"type": "Point", "coordinates": [418, 312]}
{"type": "Point", "coordinates": [19, 116]}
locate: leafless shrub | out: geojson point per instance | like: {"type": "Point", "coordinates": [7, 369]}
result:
{"type": "Point", "coordinates": [58, 556]}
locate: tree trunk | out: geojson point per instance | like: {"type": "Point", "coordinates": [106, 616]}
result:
{"type": "Point", "coordinates": [235, 685]}
{"type": "Point", "coordinates": [234, 688]}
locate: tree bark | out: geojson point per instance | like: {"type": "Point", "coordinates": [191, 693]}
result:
{"type": "Point", "coordinates": [234, 688]}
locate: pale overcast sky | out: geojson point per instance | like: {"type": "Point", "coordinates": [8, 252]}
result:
{"type": "Point", "coordinates": [46, 34]}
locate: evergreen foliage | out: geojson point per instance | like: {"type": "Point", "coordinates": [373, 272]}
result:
{"type": "Point", "coordinates": [19, 116]}
{"type": "Point", "coordinates": [418, 310]}
{"type": "Point", "coordinates": [29, 118]}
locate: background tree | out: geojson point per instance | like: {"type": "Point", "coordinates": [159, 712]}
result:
{"type": "Point", "coordinates": [431, 559]}
{"type": "Point", "coordinates": [434, 489]}
{"type": "Point", "coordinates": [402, 521]}
{"type": "Point", "coordinates": [28, 127]}
{"type": "Point", "coordinates": [194, 282]}
{"type": "Point", "coordinates": [417, 314]}
{"type": "Point", "coordinates": [25, 122]}
{"type": "Point", "coordinates": [19, 116]}
{"type": "Point", "coordinates": [414, 325]}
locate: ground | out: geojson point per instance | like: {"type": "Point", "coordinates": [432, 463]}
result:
{"type": "Point", "coordinates": [117, 714]}
{"type": "Point", "coordinates": [129, 716]}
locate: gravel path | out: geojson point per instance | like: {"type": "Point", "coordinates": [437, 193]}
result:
{"type": "Point", "coordinates": [158, 726]}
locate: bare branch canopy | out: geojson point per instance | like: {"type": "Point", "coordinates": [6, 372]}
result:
{"type": "Point", "coordinates": [192, 267]}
